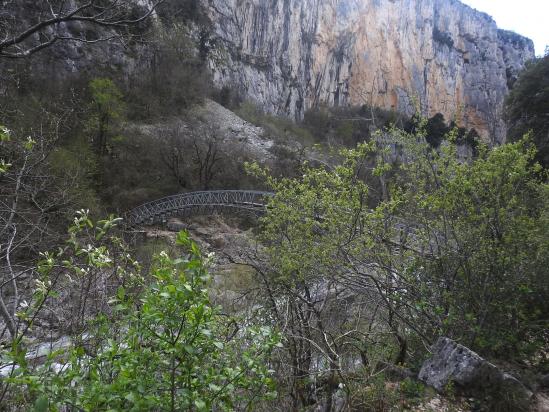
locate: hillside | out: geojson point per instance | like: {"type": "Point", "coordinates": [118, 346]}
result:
{"type": "Point", "coordinates": [271, 206]}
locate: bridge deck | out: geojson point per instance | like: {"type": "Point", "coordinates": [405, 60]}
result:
{"type": "Point", "coordinates": [198, 203]}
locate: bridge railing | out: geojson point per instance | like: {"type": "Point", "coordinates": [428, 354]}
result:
{"type": "Point", "coordinates": [195, 203]}
{"type": "Point", "coordinates": [184, 204]}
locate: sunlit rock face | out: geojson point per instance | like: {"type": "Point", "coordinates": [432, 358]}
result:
{"type": "Point", "coordinates": [439, 55]}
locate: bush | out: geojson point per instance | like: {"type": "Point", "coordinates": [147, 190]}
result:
{"type": "Point", "coordinates": [455, 249]}
{"type": "Point", "coordinates": [412, 388]}
{"type": "Point", "coordinates": [348, 126]}
{"type": "Point", "coordinates": [527, 107]}
{"type": "Point", "coordinates": [279, 128]}
{"type": "Point", "coordinates": [171, 77]}
{"type": "Point", "coordinates": [165, 347]}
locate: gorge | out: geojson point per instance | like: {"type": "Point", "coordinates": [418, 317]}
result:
{"type": "Point", "coordinates": [439, 55]}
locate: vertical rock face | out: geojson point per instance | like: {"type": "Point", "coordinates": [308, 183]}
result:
{"type": "Point", "coordinates": [440, 55]}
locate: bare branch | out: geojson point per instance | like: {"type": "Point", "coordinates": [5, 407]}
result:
{"type": "Point", "coordinates": [111, 16]}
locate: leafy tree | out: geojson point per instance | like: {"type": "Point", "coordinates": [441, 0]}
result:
{"type": "Point", "coordinates": [436, 130]}
{"type": "Point", "coordinates": [479, 268]}
{"type": "Point", "coordinates": [527, 107]}
{"type": "Point", "coordinates": [455, 249]}
{"type": "Point", "coordinates": [172, 77]}
{"type": "Point", "coordinates": [314, 226]}
{"type": "Point", "coordinates": [107, 110]}
{"type": "Point", "coordinates": [164, 346]}
{"type": "Point", "coordinates": [35, 201]}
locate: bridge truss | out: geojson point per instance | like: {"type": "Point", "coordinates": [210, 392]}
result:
{"type": "Point", "coordinates": [198, 203]}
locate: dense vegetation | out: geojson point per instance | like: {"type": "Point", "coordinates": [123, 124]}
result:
{"type": "Point", "coordinates": [348, 126]}
{"type": "Point", "coordinates": [382, 236]}
{"type": "Point", "coordinates": [455, 249]}
{"type": "Point", "coordinates": [156, 344]}
{"type": "Point", "coordinates": [528, 107]}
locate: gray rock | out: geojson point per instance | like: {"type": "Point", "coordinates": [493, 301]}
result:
{"type": "Point", "coordinates": [219, 241]}
{"type": "Point", "coordinates": [176, 225]}
{"type": "Point", "coordinates": [541, 403]}
{"type": "Point", "coordinates": [289, 56]}
{"type": "Point", "coordinates": [45, 348]}
{"type": "Point", "coordinates": [454, 364]}
{"type": "Point", "coordinates": [544, 381]}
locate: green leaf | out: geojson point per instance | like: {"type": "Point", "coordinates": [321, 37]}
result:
{"type": "Point", "coordinates": [152, 325]}
{"type": "Point", "coordinates": [41, 404]}
{"type": "Point", "coordinates": [29, 143]}
{"type": "Point", "coordinates": [5, 134]}
{"type": "Point", "coordinates": [183, 238]}
{"type": "Point", "coordinates": [4, 167]}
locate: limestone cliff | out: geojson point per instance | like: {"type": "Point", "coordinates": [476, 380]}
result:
{"type": "Point", "coordinates": [290, 55]}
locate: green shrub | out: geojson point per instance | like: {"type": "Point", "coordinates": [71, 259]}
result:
{"type": "Point", "coordinates": [469, 262]}
{"type": "Point", "coordinates": [107, 110]}
{"type": "Point", "coordinates": [171, 77]}
{"type": "Point", "coordinates": [412, 388]}
{"type": "Point", "coordinates": [165, 347]}
{"type": "Point", "coordinates": [527, 107]}
{"type": "Point", "coordinates": [278, 128]}
{"type": "Point", "coordinates": [374, 394]}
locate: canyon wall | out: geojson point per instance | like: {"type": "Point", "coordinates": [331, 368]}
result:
{"type": "Point", "coordinates": [437, 55]}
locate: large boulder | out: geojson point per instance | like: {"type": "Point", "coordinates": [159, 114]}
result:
{"type": "Point", "coordinates": [454, 365]}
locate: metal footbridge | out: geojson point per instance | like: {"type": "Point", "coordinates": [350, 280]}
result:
{"type": "Point", "coordinates": [198, 203]}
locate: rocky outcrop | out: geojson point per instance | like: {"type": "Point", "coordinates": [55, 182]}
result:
{"type": "Point", "coordinates": [290, 55]}
{"type": "Point", "coordinates": [455, 365]}
{"type": "Point", "coordinates": [64, 58]}
{"type": "Point", "coordinates": [236, 135]}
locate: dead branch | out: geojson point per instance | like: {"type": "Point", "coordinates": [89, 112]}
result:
{"type": "Point", "coordinates": [50, 29]}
